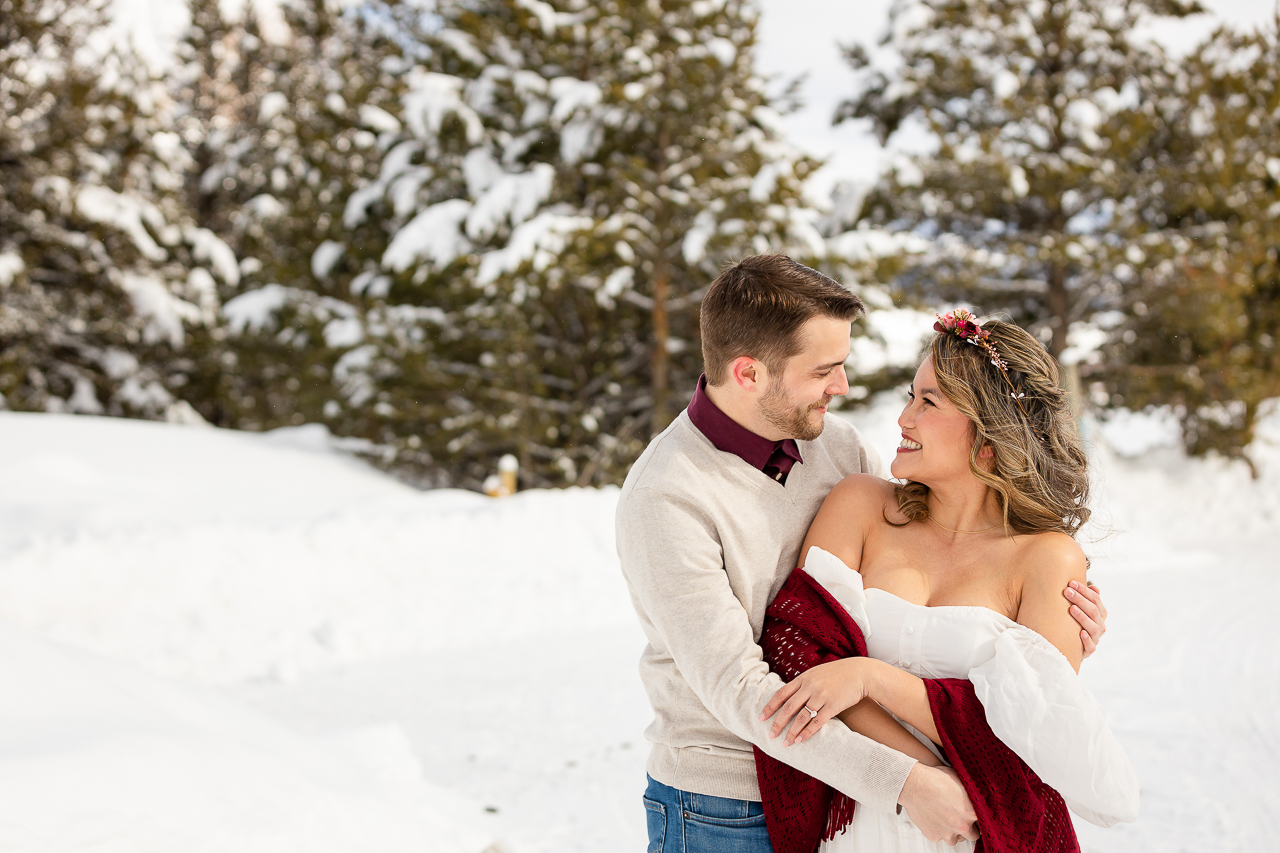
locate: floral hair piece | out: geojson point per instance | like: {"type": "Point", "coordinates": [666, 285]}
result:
{"type": "Point", "coordinates": [964, 326]}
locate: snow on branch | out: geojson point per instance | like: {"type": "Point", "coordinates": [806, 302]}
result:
{"type": "Point", "coordinates": [164, 311]}
{"type": "Point", "coordinates": [571, 95]}
{"type": "Point", "coordinates": [254, 310]}
{"type": "Point", "coordinates": [325, 256]}
{"type": "Point", "coordinates": [432, 235]}
{"type": "Point", "coordinates": [539, 240]}
{"type": "Point", "coordinates": [548, 18]}
{"type": "Point", "coordinates": [396, 162]}
{"type": "Point", "coordinates": [209, 249]}
{"type": "Point", "coordinates": [107, 207]}
{"type": "Point", "coordinates": [512, 196]}
{"type": "Point", "coordinates": [464, 45]}
{"type": "Point", "coordinates": [11, 266]}
{"type": "Point", "coordinates": [432, 97]}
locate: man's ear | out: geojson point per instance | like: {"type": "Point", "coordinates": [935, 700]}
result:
{"type": "Point", "coordinates": [747, 373]}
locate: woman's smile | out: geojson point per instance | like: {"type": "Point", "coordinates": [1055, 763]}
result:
{"type": "Point", "coordinates": [929, 418]}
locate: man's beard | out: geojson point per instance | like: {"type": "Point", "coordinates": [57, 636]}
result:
{"type": "Point", "coordinates": [793, 421]}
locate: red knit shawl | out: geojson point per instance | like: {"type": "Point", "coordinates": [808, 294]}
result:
{"type": "Point", "coordinates": [804, 627]}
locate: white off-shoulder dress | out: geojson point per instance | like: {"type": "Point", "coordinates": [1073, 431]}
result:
{"type": "Point", "coordinates": [1034, 703]}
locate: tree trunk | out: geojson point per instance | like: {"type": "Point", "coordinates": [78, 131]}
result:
{"type": "Point", "coordinates": [1058, 309]}
{"type": "Point", "coordinates": [658, 361]}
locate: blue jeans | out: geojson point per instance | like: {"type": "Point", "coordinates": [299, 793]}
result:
{"type": "Point", "coordinates": [681, 822]}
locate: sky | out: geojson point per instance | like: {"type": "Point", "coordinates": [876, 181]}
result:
{"type": "Point", "coordinates": [803, 37]}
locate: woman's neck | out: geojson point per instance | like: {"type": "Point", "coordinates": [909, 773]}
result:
{"type": "Point", "coordinates": [964, 509]}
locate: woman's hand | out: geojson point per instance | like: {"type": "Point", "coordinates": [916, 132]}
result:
{"type": "Point", "coordinates": [1087, 609]}
{"type": "Point", "coordinates": [817, 695]}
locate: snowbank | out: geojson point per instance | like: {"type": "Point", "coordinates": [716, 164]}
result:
{"type": "Point", "coordinates": [224, 556]}
{"type": "Point", "coordinates": [97, 756]}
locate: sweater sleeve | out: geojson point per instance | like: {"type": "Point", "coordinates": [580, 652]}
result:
{"type": "Point", "coordinates": [671, 556]}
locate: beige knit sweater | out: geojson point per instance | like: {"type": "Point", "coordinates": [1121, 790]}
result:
{"type": "Point", "coordinates": [706, 541]}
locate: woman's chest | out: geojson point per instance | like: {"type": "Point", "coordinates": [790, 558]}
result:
{"type": "Point", "coordinates": [926, 574]}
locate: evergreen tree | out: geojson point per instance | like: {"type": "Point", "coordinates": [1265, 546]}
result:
{"type": "Point", "coordinates": [1201, 311]}
{"type": "Point", "coordinates": [275, 131]}
{"type": "Point", "coordinates": [102, 274]}
{"type": "Point", "coordinates": [569, 179]}
{"type": "Point", "coordinates": [1028, 105]}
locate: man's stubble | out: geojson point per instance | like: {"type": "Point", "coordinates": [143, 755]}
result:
{"type": "Point", "coordinates": [792, 420]}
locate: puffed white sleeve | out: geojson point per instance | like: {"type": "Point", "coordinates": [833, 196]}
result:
{"type": "Point", "coordinates": [1036, 704]}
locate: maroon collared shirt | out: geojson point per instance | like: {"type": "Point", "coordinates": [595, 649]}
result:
{"type": "Point", "coordinates": [774, 458]}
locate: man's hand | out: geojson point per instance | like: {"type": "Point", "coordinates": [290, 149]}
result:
{"type": "Point", "coordinates": [938, 806]}
{"type": "Point", "coordinates": [1087, 609]}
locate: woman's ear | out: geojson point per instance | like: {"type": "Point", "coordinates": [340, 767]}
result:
{"type": "Point", "coordinates": [986, 452]}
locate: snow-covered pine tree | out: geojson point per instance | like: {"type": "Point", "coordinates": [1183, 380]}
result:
{"type": "Point", "coordinates": [570, 177]}
{"type": "Point", "coordinates": [1200, 329]}
{"type": "Point", "coordinates": [277, 130]}
{"type": "Point", "coordinates": [1020, 101]}
{"type": "Point", "coordinates": [102, 274]}
{"type": "Point", "coordinates": [211, 96]}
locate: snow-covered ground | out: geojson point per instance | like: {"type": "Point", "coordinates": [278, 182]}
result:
{"type": "Point", "coordinates": [219, 641]}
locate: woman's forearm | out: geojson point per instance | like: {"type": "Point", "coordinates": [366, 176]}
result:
{"type": "Point", "coordinates": [845, 684]}
{"type": "Point", "coordinates": [904, 695]}
{"type": "Point", "coordinates": [870, 720]}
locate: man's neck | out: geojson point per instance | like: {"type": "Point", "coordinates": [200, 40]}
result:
{"type": "Point", "coordinates": [741, 410]}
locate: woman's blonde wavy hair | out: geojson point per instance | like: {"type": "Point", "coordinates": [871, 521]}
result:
{"type": "Point", "coordinates": [1038, 466]}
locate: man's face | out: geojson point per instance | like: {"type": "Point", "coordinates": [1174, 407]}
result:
{"type": "Point", "coordinates": [795, 402]}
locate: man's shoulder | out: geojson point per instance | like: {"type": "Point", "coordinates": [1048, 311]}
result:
{"type": "Point", "coordinates": [673, 461]}
{"type": "Point", "coordinates": [841, 446]}
{"type": "Point", "coordinates": [672, 491]}
{"type": "Point", "coordinates": [837, 430]}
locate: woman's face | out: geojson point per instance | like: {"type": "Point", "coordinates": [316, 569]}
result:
{"type": "Point", "coordinates": [936, 438]}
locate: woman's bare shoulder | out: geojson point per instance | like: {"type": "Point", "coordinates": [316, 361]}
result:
{"type": "Point", "coordinates": [855, 506]}
{"type": "Point", "coordinates": [862, 489]}
{"type": "Point", "coordinates": [864, 496]}
{"type": "Point", "coordinates": [1055, 547]}
{"type": "Point", "coordinates": [1051, 560]}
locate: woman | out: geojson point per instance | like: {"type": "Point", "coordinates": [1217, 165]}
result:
{"type": "Point", "coordinates": [956, 574]}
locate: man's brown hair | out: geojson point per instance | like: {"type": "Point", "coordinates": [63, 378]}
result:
{"type": "Point", "coordinates": [756, 308]}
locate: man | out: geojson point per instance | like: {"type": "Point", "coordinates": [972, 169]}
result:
{"type": "Point", "coordinates": [709, 525]}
